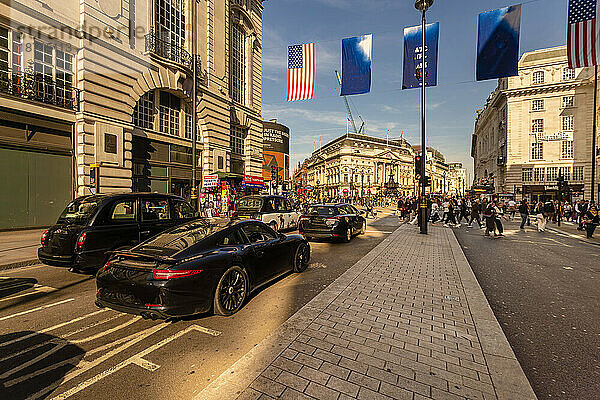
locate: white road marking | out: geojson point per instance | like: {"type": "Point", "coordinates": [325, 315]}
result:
{"type": "Point", "coordinates": [60, 340]}
{"type": "Point", "coordinates": [132, 360]}
{"type": "Point", "coordinates": [52, 328]}
{"type": "Point", "coordinates": [106, 332]}
{"type": "Point", "coordinates": [36, 289]}
{"type": "Point", "coordinates": [35, 309]}
{"type": "Point", "coordinates": [150, 366]}
{"type": "Point", "coordinates": [33, 361]}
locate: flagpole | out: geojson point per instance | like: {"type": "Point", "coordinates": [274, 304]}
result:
{"type": "Point", "coordinates": [594, 132]}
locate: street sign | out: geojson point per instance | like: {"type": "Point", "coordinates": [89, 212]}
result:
{"type": "Point", "coordinates": [209, 181]}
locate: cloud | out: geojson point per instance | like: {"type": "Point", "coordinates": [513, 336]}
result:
{"type": "Point", "coordinates": [283, 112]}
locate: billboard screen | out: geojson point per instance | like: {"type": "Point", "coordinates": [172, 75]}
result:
{"type": "Point", "coordinates": [276, 150]}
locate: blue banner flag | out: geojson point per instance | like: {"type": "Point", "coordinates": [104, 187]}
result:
{"type": "Point", "coordinates": [356, 65]}
{"type": "Point", "coordinates": [498, 43]}
{"type": "Point", "coordinates": [413, 55]}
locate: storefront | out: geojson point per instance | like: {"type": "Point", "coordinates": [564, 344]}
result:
{"type": "Point", "coordinates": [36, 170]}
{"type": "Point", "coordinates": [162, 167]}
{"type": "Point", "coordinates": [536, 193]}
{"type": "Point", "coordinates": [221, 190]}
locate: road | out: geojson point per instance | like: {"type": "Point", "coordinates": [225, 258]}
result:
{"type": "Point", "coordinates": [56, 344]}
{"type": "Point", "coordinates": [544, 289]}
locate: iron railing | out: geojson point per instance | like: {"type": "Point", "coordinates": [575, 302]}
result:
{"type": "Point", "coordinates": [39, 87]}
{"type": "Point", "coordinates": [167, 49]}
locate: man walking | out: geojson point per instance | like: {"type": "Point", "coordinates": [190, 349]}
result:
{"type": "Point", "coordinates": [475, 213]}
{"type": "Point", "coordinates": [592, 219]}
{"type": "Point", "coordinates": [524, 211]}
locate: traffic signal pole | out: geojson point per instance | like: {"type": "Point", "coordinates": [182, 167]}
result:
{"type": "Point", "coordinates": [423, 205]}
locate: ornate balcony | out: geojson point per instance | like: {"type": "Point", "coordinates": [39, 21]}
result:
{"type": "Point", "coordinates": [167, 50]}
{"type": "Point", "coordinates": [38, 87]}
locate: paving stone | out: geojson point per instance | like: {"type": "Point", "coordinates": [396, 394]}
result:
{"type": "Point", "coordinates": [343, 386]}
{"type": "Point", "coordinates": [368, 394]}
{"type": "Point", "coordinates": [395, 392]}
{"type": "Point", "coordinates": [291, 394]}
{"type": "Point", "coordinates": [364, 381]}
{"type": "Point", "coordinates": [308, 360]}
{"type": "Point", "coordinates": [267, 386]}
{"type": "Point", "coordinates": [335, 370]}
{"type": "Point", "coordinates": [321, 392]}
{"type": "Point", "coordinates": [314, 375]}
{"type": "Point", "coordinates": [292, 381]}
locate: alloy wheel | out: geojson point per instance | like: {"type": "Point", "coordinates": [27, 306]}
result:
{"type": "Point", "coordinates": [232, 290]}
{"type": "Point", "coordinates": [302, 258]}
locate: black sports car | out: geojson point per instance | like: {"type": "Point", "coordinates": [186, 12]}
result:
{"type": "Point", "coordinates": [201, 265]}
{"type": "Point", "coordinates": [332, 221]}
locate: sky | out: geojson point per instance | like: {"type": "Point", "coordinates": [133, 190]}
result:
{"type": "Point", "coordinates": [451, 105]}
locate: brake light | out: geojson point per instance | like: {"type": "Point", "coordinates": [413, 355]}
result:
{"type": "Point", "coordinates": [43, 239]}
{"type": "Point", "coordinates": [173, 273]}
{"type": "Point", "coordinates": [304, 218]}
{"type": "Point", "coordinates": [153, 305]}
{"type": "Point", "coordinates": [81, 240]}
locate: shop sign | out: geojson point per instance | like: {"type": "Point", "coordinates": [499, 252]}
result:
{"type": "Point", "coordinates": [346, 190]}
{"type": "Point", "coordinates": [550, 187]}
{"type": "Point", "coordinates": [210, 181]}
{"type": "Point", "coordinates": [254, 181]}
{"type": "Point", "coordinates": [540, 137]}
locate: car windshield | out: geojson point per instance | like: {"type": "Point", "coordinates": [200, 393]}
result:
{"type": "Point", "coordinates": [79, 211]}
{"type": "Point", "coordinates": [175, 240]}
{"type": "Point", "coordinates": [250, 203]}
{"type": "Point", "coordinates": [321, 210]}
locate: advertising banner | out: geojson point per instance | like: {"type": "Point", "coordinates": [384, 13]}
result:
{"type": "Point", "coordinates": [498, 43]}
{"type": "Point", "coordinates": [254, 181]}
{"type": "Point", "coordinates": [413, 55]}
{"type": "Point", "coordinates": [356, 65]}
{"type": "Point", "coordinates": [209, 181]}
{"type": "Point", "coordinates": [276, 151]}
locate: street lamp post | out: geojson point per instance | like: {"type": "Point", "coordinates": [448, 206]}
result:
{"type": "Point", "coordinates": [423, 6]}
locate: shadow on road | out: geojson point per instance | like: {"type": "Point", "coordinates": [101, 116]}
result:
{"type": "Point", "coordinates": [10, 286]}
{"type": "Point", "coordinates": [33, 364]}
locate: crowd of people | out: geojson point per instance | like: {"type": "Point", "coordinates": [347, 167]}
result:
{"type": "Point", "coordinates": [490, 213]}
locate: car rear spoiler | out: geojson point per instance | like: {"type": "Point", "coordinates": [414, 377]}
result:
{"type": "Point", "coordinates": [144, 257]}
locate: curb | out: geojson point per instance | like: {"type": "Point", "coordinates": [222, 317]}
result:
{"type": "Point", "coordinates": [508, 378]}
{"type": "Point", "coordinates": [233, 381]}
{"type": "Point", "coordinates": [19, 264]}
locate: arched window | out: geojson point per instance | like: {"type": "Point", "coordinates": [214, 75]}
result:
{"type": "Point", "coordinates": [164, 112]}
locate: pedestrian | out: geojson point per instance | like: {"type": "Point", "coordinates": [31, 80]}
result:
{"type": "Point", "coordinates": [475, 213]}
{"type": "Point", "coordinates": [512, 208]}
{"type": "Point", "coordinates": [539, 215]}
{"type": "Point", "coordinates": [499, 214]}
{"type": "Point", "coordinates": [490, 219]}
{"type": "Point", "coordinates": [524, 211]}
{"type": "Point", "coordinates": [592, 219]}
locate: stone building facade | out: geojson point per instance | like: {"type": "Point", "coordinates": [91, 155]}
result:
{"type": "Point", "coordinates": [109, 83]}
{"type": "Point", "coordinates": [358, 166]}
{"type": "Point", "coordinates": [535, 127]}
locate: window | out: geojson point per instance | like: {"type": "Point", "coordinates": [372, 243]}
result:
{"type": "Point", "coordinates": [537, 126]}
{"type": "Point", "coordinates": [537, 151]}
{"type": "Point", "coordinates": [143, 113]}
{"type": "Point", "coordinates": [568, 74]}
{"type": "Point", "coordinates": [578, 173]}
{"type": "Point", "coordinates": [155, 210]}
{"type": "Point", "coordinates": [64, 77]}
{"type": "Point", "coordinates": [189, 123]}
{"type": "Point", "coordinates": [567, 123]}
{"type": "Point", "coordinates": [4, 50]}
{"type": "Point", "coordinates": [238, 64]}
{"type": "Point", "coordinates": [537, 105]}
{"type": "Point", "coordinates": [182, 210]}
{"type": "Point", "coordinates": [258, 233]}
{"type": "Point", "coordinates": [238, 134]}
{"type": "Point", "coordinates": [123, 211]}
{"type": "Point", "coordinates": [170, 22]}
{"type": "Point", "coordinates": [567, 101]}
{"type": "Point", "coordinates": [527, 174]}
{"type": "Point", "coordinates": [17, 52]}
{"type": "Point", "coordinates": [168, 112]}
{"type": "Point", "coordinates": [538, 77]}
{"type": "Point", "coordinates": [566, 149]}
{"type": "Point", "coordinates": [552, 173]}
{"type": "Point", "coordinates": [538, 174]}
{"type": "Point", "coordinates": [220, 162]}
{"type": "Point", "coordinates": [565, 172]}
{"type": "Point", "coordinates": [231, 239]}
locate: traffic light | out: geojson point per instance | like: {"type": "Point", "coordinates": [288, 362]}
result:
{"type": "Point", "coordinates": [418, 166]}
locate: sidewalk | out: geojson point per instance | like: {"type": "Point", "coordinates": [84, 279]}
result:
{"type": "Point", "coordinates": [19, 248]}
{"type": "Point", "coordinates": [408, 321]}
{"type": "Point", "coordinates": [570, 229]}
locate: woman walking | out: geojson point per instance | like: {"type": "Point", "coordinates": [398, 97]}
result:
{"type": "Point", "coordinates": [541, 218]}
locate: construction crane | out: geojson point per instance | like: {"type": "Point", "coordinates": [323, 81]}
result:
{"type": "Point", "coordinates": [362, 126]}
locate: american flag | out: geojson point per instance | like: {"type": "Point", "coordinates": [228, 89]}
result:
{"type": "Point", "coordinates": [301, 71]}
{"type": "Point", "coordinates": [582, 35]}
